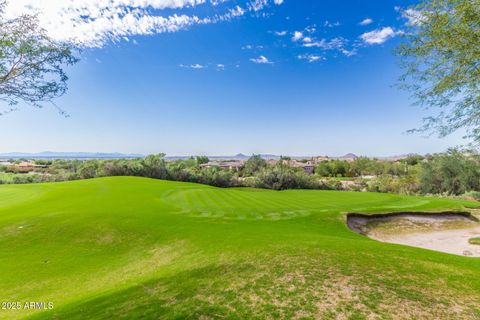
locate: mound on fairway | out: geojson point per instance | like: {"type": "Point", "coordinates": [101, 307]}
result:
{"type": "Point", "coordinates": [138, 248]}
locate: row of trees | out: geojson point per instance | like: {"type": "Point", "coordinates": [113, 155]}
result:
{"type": "Point", "coordinates": [454, 173]}
{"type": "Point", "coordinates": [362, 167]}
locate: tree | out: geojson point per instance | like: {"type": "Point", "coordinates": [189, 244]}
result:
{"type": "Point", "coordinates": [441, 59]}
{"type": "Point", "coordinates": [31, 62]}
{"type": "Point", "coordinates": [253, 164]}
{"type": "Point", "coordinates": [413, 160]}
{"type": "Point", "coordinates": [324, 169]}
{"type": "Point", "coordinates": [454, 172]}
{"type": "Point", "coordinates": [89, 169]}
{"type": "Point", "coordinates": [202, 160]}
{"type": "Point", "coordinates": [154, 166]}
{"type": "Point", "coordinates": [362, 166]}
{"type": "Point", "coordinates": [281, 177]}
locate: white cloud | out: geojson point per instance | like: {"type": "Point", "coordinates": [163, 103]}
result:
{"type": "Point", "coordinates": [220, 67]}
{"type": "Point", "coordinates": [338, 44]}
{"type": "Point", "coordinates": [331, 24]}
{"type": "Point", "coordinates": [366, 22]}
{"type": "Point", "coordinates": [92, 23]}
{"type": "Point", "coordinates": [256, 5]}
{"type": "Point", "coordinates": [378, 36]}
{"type": "Point", "coordinates": [194, 66]}
{"type": "Point", "coordinates": [261, 60]}
{"type": "Point", "coordinates": [310, 57]}
{"type": "Point", "coordinates": [311, 29]}
{"type": "Point", "coordinates": [414, 17]}
{"type": "Point", "coordinates": [307, 39]}
{"type": "Point", "coordinates": [252, 47]}
{"type": "Point", "coordinates": [281, 33]}
{"type": "Point", "coordinates": [335, 43]}
{"type": "Point", "coordinates": [297, 35]}
{"type": "Point", "coordinates": [349, 53]}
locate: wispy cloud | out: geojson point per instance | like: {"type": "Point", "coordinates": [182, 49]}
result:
{"type": "Point", "coordinates": [335, 43]}
{"type": "Point", "coordinates": [261, 60]}
{"type": "Point", "coordinates": [378, 36]}
{"type": "Point", "coordinates": [311, 29]}
{"type": "Point", "coordinates": [349, 53]}
{"type": "Point", "coordinates": [330, 24]}
{"type": "Point", "coordinates": [193, 66]}
{"type": "Point", "coordinates": [252, 47]}
{"type": "Point", "coordinates": [366, 22]}
{"type": "Point", "coordinates": [310, 57]}
{"type": "Point", "coordinates": [93, 23]}
{"type": "Point", "coordinates": [281, 33]}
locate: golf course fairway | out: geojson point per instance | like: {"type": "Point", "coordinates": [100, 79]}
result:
{"type": "Point", "coordinates": [128, 248]}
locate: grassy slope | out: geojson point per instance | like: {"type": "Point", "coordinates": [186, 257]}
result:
{"type": "Point", "coordinates": [139, 248]}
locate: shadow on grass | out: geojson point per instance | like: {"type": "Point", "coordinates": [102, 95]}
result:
{"type": "Point", "coordinates": [187, 295]}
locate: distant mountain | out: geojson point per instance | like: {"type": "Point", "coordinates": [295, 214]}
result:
{"type": "Point", "coordinates": [348, 156]}
{"type": "Point", "coordinates": [116, 155]}
{"type": "Point", "coordinates": [68, 155]}
{"type": "Point", "coordinates": [399, 157]}
{"type": "Point", "coordinates": [239, 156]}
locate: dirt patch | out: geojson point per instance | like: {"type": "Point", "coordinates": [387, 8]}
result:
{"type": "Point", "coordinates": [440, 231]}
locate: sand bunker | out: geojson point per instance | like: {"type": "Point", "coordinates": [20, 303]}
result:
{"type": "Point", "coordinates": [443, 231]}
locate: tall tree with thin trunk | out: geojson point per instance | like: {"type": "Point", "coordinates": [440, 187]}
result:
{"type": "Point", "coordinates": [441, 60]}
{"type": "Point", "coordinates": [31, 63]}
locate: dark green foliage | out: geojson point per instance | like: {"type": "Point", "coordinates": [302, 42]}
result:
{"type": "Point", "coordinates": [281, 177]}
{"type": "Point", "coordinates": [412, 160]}
{"type": "Point", "coordinates": [215, 177]}
{"type": "Point", "coordinates": [153, 166]}
{"type": "Point", "coordinates": [452, 173]}
{"type": "Point", "coordinates": [333, 168]}
{"type": "Point", "coordinates": [202, 159]}
{"type": "Point", "coordinates": [360, 167]}
{"type": "Point", "coordinates": [254, 164]}
{"type": "Point", "coordinates": [89, 169]}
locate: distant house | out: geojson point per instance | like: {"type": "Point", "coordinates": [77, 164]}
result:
{"type": "Point", "coordinates": [307, 167]}
{"type": "Point", "coordinates": [272, 162]}
{"type": "Point", "coordinates": [30, 165]}
{"type": "Point", "coordinates": [5, 164]}
{"type": "Point", "coordinates": [227, 165]}
{"type": "Point", "coordinates": [317, 160]}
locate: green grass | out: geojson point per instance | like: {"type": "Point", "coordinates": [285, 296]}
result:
{"type": "Point", "coordinates": [131, 248]}
{"type": "Point", "coordinates": [474, 241]}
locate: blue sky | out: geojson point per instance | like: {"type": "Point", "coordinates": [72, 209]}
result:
{"type": "Point", "coordinates": [290, 77]}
